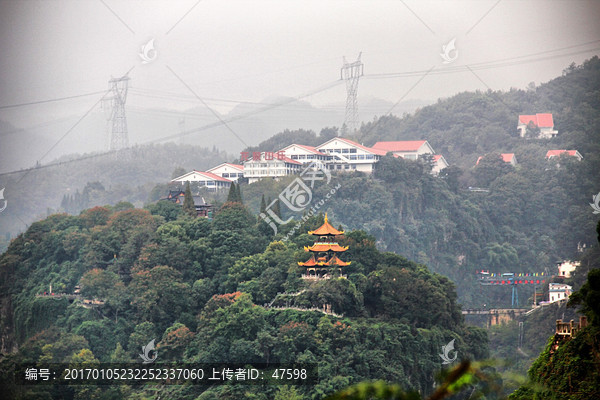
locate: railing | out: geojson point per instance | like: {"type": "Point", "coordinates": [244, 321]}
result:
{"type": "Point", "coordinates": [317, 277]}
{"type": "Point", "coordinates": [326, 311]}
{"type": "Point", "coordinates": [570, 329]}
{"type": "Point", "coordinates": [58, 295]}
{"type": "Point", "coordinates": [494, 311]}
{"type": "Point", "coordinates": [285, 294]}
{"type": "Point", "coordinates": [88, 302]}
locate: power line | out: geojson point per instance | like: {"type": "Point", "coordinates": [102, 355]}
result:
{"type": "Point", "coordinates": [66, 134]}
{"type": "Point", "coordinates": [489, 64]}
{"type": "Point", "coordinates": [249, 113]}
{"type": "Point", "coordinates": [181, 134]}
{"type": "Point", "coordinates": [50, 100]}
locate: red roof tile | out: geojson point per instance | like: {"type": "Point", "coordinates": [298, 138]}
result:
{"type": "Point", "coordinates": [404, 145]}
{"type": "Point", "coordinates": [506, 157]}
{"type": "Point", "coordinates": [360, 146]}
{"type": "Point", "coordinates": [312, 149]}
{"type": "Point", "coordinates": [557, 153]}
{"type": "Point", "coordinates": [540, 120]}
{"type": "Point", "coordinates": [237, 166]}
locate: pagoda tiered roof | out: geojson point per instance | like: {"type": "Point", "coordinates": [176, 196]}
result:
{"type": "Point", "coordinates": [319, 247]}
{"type": "Point", "coordinates": [326, 230]}
{"type": "Point", "coordinates": [333, 261]}
{"type": "Point", "coordinates": [324, 251]}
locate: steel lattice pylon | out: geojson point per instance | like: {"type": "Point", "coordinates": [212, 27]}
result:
{"type": "Point", "coordinates": [118, 133]}
{"type": "Point", "coordinates": [350, 72]}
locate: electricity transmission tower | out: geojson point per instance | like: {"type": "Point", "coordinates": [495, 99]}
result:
{"type": "Point", "coordinates": [350, 72]}
{"type": "Point", "coordinates": [118, 130]}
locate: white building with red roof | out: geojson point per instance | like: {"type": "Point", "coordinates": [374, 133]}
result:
{"type": "Point", "coordinates": [509, 158]}
{"type": "Point", "coordinates": [229, 171]}
{"type": "Point", "coordinates": [413, 150]}
{"type": "Point", "coordinates": [408, 149]}
{"type": "Point", "coordinates": [347, 155]}
{"type": "Point", "coordinates": [270, 165]}
{"type": "Point", "coordinates": [439, 163]}
{"type": "Point", "coordinates": [557, 153]}
{"type": "Point", "coordinates": [304, 154]}
{"type": "Point", "coordinates": [204, 179]}
{"type": "Point", "coordinates": [543, 121]}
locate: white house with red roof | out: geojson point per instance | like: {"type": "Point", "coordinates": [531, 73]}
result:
{"type": "Point", "coordinates": [542, 121]}
{"type": "Point", "coordinates": [506, 157]}
{"type": "Point", "coordinates": [439, 163]}
{"type": "Point", "coordinates": [413, 150]}
{"type": "Point", "coordinates": [347, 155]}
{"type": "Point", "coordinates": [205, 179]}
{"type": "Point", "coordinates": [228, 170]}
{"type": "Point", "coordinates": [408, 149]}
{"type": "Point", "coordinates": [304, 154]}
{"type": "Point", "coordinates": [270, 165]}
{"type": "Point", "coordinates": [557, 153]}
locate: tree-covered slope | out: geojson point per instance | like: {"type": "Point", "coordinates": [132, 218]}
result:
{"type": "Point", "coordinates": [569, 367]}
{"type": "Point", "coordinates": [199, 286]}
{"type": "Point", "coordinates": [531, 216]}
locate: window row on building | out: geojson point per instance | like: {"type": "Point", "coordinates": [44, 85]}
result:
{"type": "Point", "coordinates": [338, 154]}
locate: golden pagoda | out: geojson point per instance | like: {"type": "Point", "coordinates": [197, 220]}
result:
{"type": "Point", "coordinates": [324, 253]}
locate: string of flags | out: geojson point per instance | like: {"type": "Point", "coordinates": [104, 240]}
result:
{"type": "Point", "coordinates": [518, 278]}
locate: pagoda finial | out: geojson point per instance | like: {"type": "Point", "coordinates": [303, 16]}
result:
{"type": "Point", "coordinates": [325, 217]}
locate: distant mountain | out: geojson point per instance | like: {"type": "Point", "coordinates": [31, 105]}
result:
{"type": "Point", "coordinates": [247, 125]}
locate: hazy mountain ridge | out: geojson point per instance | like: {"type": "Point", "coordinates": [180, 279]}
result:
{"type": "Point", "coordinates": [251, 123]}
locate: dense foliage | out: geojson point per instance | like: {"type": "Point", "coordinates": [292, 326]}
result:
{"type": "Point", "coordinates": [533, 215]}
{"type": "Point", "coordinates": [198, 286]}
{"type": "Point", "coordinates": [568, 368]}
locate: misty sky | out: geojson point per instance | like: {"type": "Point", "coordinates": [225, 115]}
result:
{"type": "Point", "coordinates": [234, 51]}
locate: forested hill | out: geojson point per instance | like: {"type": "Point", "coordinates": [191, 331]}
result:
{"type": "Point", "coordinates": [469, 124]}
{"type": "Point", "coordinates": [95, 179]}
{"type": "Point", "coordinates": [533, 215]}
{"type": "Point", "coordinates": [198, 287]}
